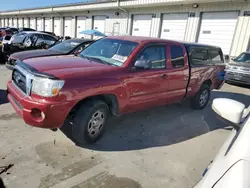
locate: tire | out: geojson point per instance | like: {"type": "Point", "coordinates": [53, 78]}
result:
{"type": "Point", "coordinates": [197, 102]}
{"type": "Point", "coordinates": [87, 128]}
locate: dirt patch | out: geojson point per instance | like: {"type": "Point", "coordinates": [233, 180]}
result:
{"type": "Point", "coordinates": [105, 180]}
{"type": "Point", "coordinates": [63, 156]}
{"type": "Point", "coordinates": [9, 116]}
{"type": "Point", "coordinates": [58, 154]}
{"type": "Point", "coordinates": [67, 172]}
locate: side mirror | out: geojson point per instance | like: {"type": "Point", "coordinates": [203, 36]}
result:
{"type": "Point", "coordinates": [227, 58]}
{"type": "Point", "coordinates": [77, 52]}
{"type": "Point", "coordinates": [143, 64]}
{"type": "Point", "coordinates": [230, 110]}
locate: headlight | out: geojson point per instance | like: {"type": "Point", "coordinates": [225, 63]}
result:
{"type": "Point", "coordinates": [46, 87]}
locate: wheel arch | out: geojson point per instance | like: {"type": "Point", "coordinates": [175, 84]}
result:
{"type": "Point", "coordinates": [110, 99]}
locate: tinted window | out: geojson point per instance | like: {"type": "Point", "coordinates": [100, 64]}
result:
{"type": "Point", "coordinates": [157, 56]}
{"type": "Point", "coordinates": [199, 56]}
{"type": "Point", "coordinates": [65, 46]}
{"type": "Point", "coordinates": [49, 40]}
{"type": "Point", "coordinates": [82, 47]}
{"type": "Point", "coordinates": [38, 39]}
{"type": "Point", "coordinates": [215, 55]}
{"type": "Point", "coordinates": [177, 56]}
{"type": "Point", "coordinates": [244, 57]}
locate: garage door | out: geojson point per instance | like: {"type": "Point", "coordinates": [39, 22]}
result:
{"type": "Point", "coordinates": [57, 26]}
{"type": "Point", "coordinates": [81, 26]}
{"type": "Point", "coordinates": [15, 22]}
{"type": "Point", "coordinates": [39, 24]}
{"type": "Point", "coordinates": [218, 29]}
{"type": "Point", "coordinates": [142, 25]}
{"type": "Point", "coordinates": [2, 22]}
{"type": "Point", "coordinates": [6, 22]}
{"type": "Point", "coordinates": [47, 24]}
{"type": "Point", "coordinates": [20, 22]}
{"type": "Point", "coordinates": [32, 23]}
{"type": "Point", "coordinates": [10, 22]}
{"type": "Point", "coordinates": [67, 26]}
{"type": "Point", "coordinates": [174, 26]}
{"type": "Point", "coordinates": [99, 23]}
{"type": "Point", "coordinates": [25, 22]}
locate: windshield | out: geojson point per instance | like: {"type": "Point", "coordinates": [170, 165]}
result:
{"type": "Point", "coordinates": [111, 51]}
{"type": "Point", "coordinates": [65, 46]}
{"type": "Point", "coordinates": [244, 57]}
{"type": "Point", "coordinates": [19, 38]}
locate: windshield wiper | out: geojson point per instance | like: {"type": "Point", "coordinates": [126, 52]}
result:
{"type": "Point", "coordinates": [100, 60]}
{"type": "Point", "coordinates": [83, 56]}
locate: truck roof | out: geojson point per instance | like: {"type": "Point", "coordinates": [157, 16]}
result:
{"type": "Point", "coordinates": [136, 38]}
{"type": "Point", "coordinates": [187, 44]}
{"type": "Point", "coordinates": [143, 39]}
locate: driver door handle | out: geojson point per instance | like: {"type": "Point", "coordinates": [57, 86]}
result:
{"type": "Point", "coordinates": [164, 76]}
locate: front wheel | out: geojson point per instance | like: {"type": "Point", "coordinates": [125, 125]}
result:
{"type": "Point", "coordinates": [202, 97]}
{"type": "Point", "coordinates": [89, 122]}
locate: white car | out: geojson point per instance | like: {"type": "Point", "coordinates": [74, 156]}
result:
{"type": "Point", "coordinates": [231, 166]}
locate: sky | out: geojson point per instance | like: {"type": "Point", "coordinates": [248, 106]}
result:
{"type": "Point", "coordinates": [20, 4]}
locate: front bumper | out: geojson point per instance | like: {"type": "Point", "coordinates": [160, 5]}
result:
{"type": "Point", "coordinates": [238, 77]}
{"type": "Point", "coordinates": [55, 113]}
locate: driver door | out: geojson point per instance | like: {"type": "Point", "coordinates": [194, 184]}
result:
{"type": "Point", "coordinates": [149, 87]}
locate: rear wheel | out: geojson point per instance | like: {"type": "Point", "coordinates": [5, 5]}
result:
{"type": "Point", "coordinates": [202, 97]}
{"type": "Point", "coordinates": [89, 122]}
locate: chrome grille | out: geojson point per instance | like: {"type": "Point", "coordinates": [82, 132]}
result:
{"type": "Point", "coordinates": [19, 79]}
{"type": "Point", "coordinates": [238, 76]}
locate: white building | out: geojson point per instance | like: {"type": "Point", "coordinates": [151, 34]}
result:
{"type": "Point", "coordinates": [225, 23]}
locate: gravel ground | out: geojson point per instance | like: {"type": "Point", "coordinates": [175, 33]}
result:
{"type": "Point", "coordinates": [161, 147]}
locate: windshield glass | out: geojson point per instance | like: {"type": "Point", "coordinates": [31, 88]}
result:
{"type": "Point", "coordinates": [65, 46]}
{"type": "Point", "coordinates": [19, 38]}
{"type": "Point", "coordinates": [111, 51]}
{"type": "Point", "coordinates": [244, 57]}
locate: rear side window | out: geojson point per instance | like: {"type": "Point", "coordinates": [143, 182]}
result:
{"type": "Point", "coordinates": [215, 55]}
{"type": "Point", "coordinates": [199, 56]}
{"type": "Point", "coordinates": [177, 56]}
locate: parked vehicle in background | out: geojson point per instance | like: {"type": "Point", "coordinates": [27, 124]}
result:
{"type": "Point", "coordinates": [1, 31]}
{"type": "Point", "coordinates": [28, 40]}
{"type": "Point", "coordinates": [71, 46]}
{"type": "Point", "coordinates": [8, 31]}
{"type": "Point", "coordinates": [114, 75]}
{"type": "Point", "coordinates": [238, 69]}
{"type": "Point", "coordinates": [21, 29]}
{"type": "Point", "coordinates": [47, 32]}
{"type": "Point", "coordinates": [231, 166]}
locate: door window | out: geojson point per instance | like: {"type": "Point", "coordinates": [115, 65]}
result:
{"type": "Point", "coordinates": [49, 40]}
{"type": "Point", "coordinates": [177, 56]}
{"type": "Point", "coordinates": [82, 47]}
{"type": "Point", "coordinates": [156, 55]}
{"type": "Point", "coordinates": [38, 39]}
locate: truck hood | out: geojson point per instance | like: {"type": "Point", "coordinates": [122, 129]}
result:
{"type": "Point", "coordinates": [68, 66]}
{"type": "Point", "coordinates": [239, 64]}
{"type": "Point", "coordinates": [33, 53]}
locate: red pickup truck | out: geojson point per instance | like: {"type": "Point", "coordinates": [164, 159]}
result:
{"type": "Point", "coordinates": [113, 76]}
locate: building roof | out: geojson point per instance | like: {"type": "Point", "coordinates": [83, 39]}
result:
{"type": "Point", "coordinates": [104, 4]}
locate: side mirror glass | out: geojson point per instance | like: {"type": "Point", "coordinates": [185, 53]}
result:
{"type": "Point", "coordinates": [143, 64]}
{"type": "Point", "coordinates": [229, 110]}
